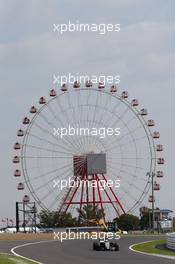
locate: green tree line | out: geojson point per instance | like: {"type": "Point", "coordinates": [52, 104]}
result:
{"type": "Point", "coordinates": [50, 219]}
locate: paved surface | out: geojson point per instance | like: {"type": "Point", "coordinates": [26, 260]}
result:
{"type": "Point", "coordinates": [5, 246]}
{"type": "Point", "coordinates": [69, 252]}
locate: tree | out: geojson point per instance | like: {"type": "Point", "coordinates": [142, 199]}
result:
{"type": "Point", "coordinates": [89, 212]}
{"type": "Point", "coordinates": [128, 222]}
{"type": "Point", "coordinates": [54, 219]}
{"type": "Point", "coordinates": [144, 221]}
{"type": "Point", "coordinates": [46, 218]}
{"type": "Point", "coordinates": [66, 220]}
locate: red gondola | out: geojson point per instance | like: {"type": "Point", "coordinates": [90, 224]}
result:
{"type": "Point", "coordinates": [88, 84]}
{"type": "Point", "coordinates": [17, 146]}
{"type": "Point", "coordinates": [156, 186]}
{"type": "Point", "coordinates": [20, 133]}
{"type": "Point", "coordinates": [76, 84]}
{"type": "Point", "coordinates": [20, 186]}
{"type": "Point", "coordinates": [26, 121]}
{"type": "Point", "coordinates": [151, 123]}
{"type": "Point", "coordinates": [33, 110]}
{"type": "Point", "coordinates": [42, 100]}
{"type": "Point", "coordinates": [151, 199]}
{"type": "Point", "coordinates": [26, 199]}
{"type": "Point", "coordinates": [53, 93]}
{"type": "Point", "coordinates": [135, 102]}
{"type": "Point", "coordinates": [101, 85]}
{"type": "Point", "coordinates": [64, 87]}
{"type": "Point", "coordinates": [143, 112]}
{"type": "Point", "coordinates": [159, 147]}
{"type": "Point", "coordinates": [160, 174]}
{"type": "Point", "coordinates": [125, 95]}
{"type": "Point", "coordinates": [113, 89]}
{"type": "Point", "coordinates": [17, 173]}
{"type": "Point", "coordinates": [160, 161]}
{"type": "Point", "coordinates": [16, 159]}
{"type": "Point", "coordinates": [156, 134]}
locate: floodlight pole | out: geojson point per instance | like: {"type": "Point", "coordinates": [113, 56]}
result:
{"type": "Point", "coordinates": [35, 217]}
{"type": "Point", "coordinates": [17, 217]}
{"type": "Point", "coordinates": [153, 212]}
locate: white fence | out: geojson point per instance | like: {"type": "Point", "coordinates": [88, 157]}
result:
{"type": "Point", "coordinates": [170, 238]}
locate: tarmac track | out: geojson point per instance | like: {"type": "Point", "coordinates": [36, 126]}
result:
{"type": "Point", "coordinates": [80, 252]}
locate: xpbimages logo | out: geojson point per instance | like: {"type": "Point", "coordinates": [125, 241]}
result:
{"type": "Point", "coordinates": [101, 132]}
{"type": "Point", "coordinates": [102, 184]}
{"type": "Point", "coordinates": [71, 78]}
{"type": "Point", "coordinates": [71, 235]}
{"type": "Point", "coordinates": [101, 28]}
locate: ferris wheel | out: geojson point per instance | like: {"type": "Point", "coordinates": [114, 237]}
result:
{"type": "Point", "coordinates": [46, 160]}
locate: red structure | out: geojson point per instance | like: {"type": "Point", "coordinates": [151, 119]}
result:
{"type": "Point", "coordinates": [135, 157]}
{"type": "Point", "coordinates": [90, 185]}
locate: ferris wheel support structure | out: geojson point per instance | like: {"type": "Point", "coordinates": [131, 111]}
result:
{"type": "Point", "coordinates": [132, 157]}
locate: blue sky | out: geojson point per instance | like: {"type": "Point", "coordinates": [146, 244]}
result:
{"type": "Point", "coordinates": [30, 53]}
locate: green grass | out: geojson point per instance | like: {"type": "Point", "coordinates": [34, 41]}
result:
{"type": "Point", "coordinates": [10, 259]}
{"type": "Point", "coordinates": [150, 247]}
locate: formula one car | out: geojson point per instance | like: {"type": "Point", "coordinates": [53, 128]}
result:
{"type": "Point", "coordinates": [105, 245]}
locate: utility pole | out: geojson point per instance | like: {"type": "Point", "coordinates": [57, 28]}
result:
{"type": "Point", "coordinates": [153, 201]}
{"type": "Point", "coordinates": [17, 217]}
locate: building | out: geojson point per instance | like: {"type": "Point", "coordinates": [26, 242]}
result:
{"type": "Point", "coordinates": [163, 218]}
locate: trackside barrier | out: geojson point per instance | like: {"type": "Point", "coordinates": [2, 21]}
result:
{"type": "Point", "coordinates": [170, 238]}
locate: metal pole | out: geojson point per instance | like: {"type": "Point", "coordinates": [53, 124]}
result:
{"type": "Point", "coordinates": [7, 221]}
{"type": "Point", "coordinates": [24, 220]}
{"type": "Point", "coordinates": [35, 215]}
{"type": "Point", "coordinates": [94, 193]}
{"type": "Point", "coordinates": [17, 218]}
{"type": "Point", "coordinates": [153, 213]}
